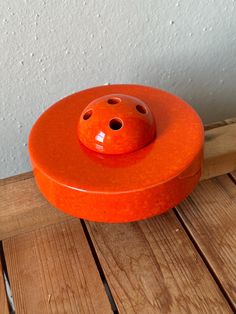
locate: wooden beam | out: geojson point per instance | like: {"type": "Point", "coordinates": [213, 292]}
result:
{"type": "Point", "coordinates": [219, 151]}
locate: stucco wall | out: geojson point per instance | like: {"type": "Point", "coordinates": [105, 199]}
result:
{"type": "Point", "coordinates": [49, 49]}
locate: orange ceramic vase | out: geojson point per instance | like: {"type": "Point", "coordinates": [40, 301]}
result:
{"type": "Point", "coordinates": [117, 153]}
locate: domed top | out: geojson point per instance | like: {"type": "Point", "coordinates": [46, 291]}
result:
{"type": "Point", "coordinates": [116, 124]}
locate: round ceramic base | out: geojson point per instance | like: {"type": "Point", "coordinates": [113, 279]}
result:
{"type": "Point", "coordinates": [124, 187]}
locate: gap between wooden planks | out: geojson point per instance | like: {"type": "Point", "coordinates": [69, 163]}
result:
{"type": "Point", "coordinates": [3, 297]}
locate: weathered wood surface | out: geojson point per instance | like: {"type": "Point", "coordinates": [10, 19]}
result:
{"type": "Point", "coordinates": [52, 270]}
{"type": "Point", "coordinates": [209, 214]}
{"type": "Point", "coordinates": [217, 124]}
{"type": "Point", "coordinates": [22, 207]}
{"type": "Point", "coordinates": [3, 297]}
{"type": "Point", "coordinates": [152, 267]}
{"type": "Point", "coordinates": [219, 151]}
{"type": "Point", "coordinates": [17, 178]}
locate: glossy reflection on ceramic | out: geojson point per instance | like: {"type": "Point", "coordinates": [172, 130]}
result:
{"type": "Point", "coordinates": [116, 124]}
{"type": "Point", "coordinates": [131, 178]}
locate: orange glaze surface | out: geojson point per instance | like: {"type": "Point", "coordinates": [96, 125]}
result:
{"type": "Point", "coordinates": [149, 168]}
{"type": "Point", "coordinates": [116, 124]}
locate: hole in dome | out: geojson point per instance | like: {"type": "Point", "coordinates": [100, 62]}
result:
{"type": "Point", "coordinates": [87, 115]}
{"type": "Point", "coordinates": [116, 124]}
{"type": "Point", "coordinates": [114, 100]}
{"type": "Point", "coordinates": [141, 109]}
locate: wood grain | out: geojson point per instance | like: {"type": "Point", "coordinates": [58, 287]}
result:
{"type": "Point", "coordinates": [210, 216]}
{"type": "Point", "coordinates": [214, 125]}
{"type": "Point", "coordinates": [219, 151]}
{"type": "Point", "coordinates": [19, 177]}
{"type": "Point", "coordinates": [230, 120]}
{"type": "Point", "coordinates": [52, 270]}
{"type": "Point", "coordinates": [3, 298]}
{"type": "Point", "coordinates": [152, 267]}
{"type": "Point", "coordinates": [217, 124]}
{"type": "Point", "coordinates": [22, 208]}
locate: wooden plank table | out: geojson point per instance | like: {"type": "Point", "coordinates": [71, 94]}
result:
{"type": "Point", "coordinates": [180, 262]}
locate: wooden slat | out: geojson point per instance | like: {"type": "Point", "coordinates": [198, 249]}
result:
{"type": "Point", "coordinates": [214, 125]}
{"type": "Point", "coordinates": [3, 297]}
{"type": "Point", "coordinates": [22, 208]}
{"type": "Point", "coordinates": [217, 124]}
{"type": "Point", "coordinates": [52, 270]}
{"type": "Point", "coordinates": [19, 177]}
{"type": "Point", "coordinates": [220, 151]}
{"type": "Point", "coordinates": [152, 267]}
{"type": "Point", "coordinates": [210, 216]}
{"type": "Point", "coordinates": [230, 120]}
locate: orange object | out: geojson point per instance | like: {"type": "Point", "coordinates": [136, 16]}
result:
{"type": "Point", "coordinates": [129, 116]}
{"type": "Point", "coordinates": [117, 153]}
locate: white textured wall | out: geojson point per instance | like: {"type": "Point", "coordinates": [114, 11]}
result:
{"type": "Point", "coordinates": [49, 49]}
